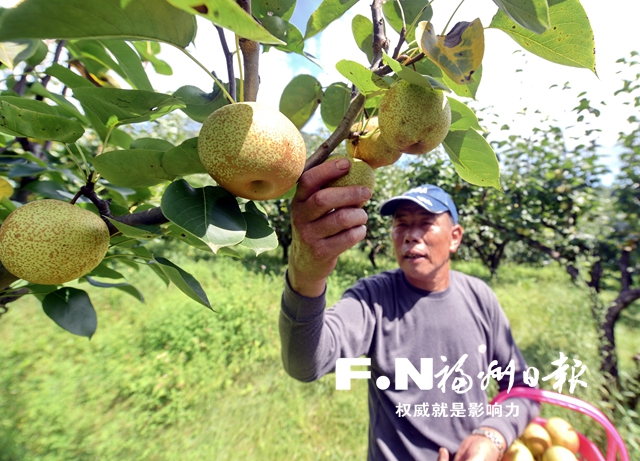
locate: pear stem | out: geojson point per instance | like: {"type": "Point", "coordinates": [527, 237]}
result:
{"type": "Point", "coordinates": [224, 90]}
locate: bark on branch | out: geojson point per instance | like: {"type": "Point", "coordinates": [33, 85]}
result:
{"type": "Point", "coordinates": [380, 40]}
{"type": "Point", "coordinates": [251, 60]}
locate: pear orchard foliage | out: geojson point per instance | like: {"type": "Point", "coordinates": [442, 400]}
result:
{"type": "Point", "coordinates": [76, 86]}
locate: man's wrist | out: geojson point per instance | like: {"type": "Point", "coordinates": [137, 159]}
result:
{"type": "Point", "coordinates": [494, 436]}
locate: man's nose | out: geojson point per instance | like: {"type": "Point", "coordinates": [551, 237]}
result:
{"type": "Point", "coordinates": [413, 234]}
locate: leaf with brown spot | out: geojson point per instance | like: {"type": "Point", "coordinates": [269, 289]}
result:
{"type": "Point", "coordinates": [459, 53]}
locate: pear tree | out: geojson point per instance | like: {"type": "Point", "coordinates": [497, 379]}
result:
{"type": "Point", "coordinates": [76, 84]}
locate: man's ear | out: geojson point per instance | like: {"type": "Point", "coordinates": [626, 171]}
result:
{"type": "Point", "coordinates": [456, 237]}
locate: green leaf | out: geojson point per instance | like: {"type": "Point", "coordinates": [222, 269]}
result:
{"type": "Point", "coordinates": [72, 310]}
{"type": "Point", "coordinates": [67, 19]}
{"type": "Point", "coordinates": [530, 14]}
{"type": "Point", "coordinates": [132, 167]}
{"type": "Point", "coordinates": [300, 99]}
{"type": "Point", "coordinates": [410, 75]}
{"type": "Point", "coordinates": [130, 64]}
{"type": "Point", "coordinates": [427, 67]}
{"type": "Point", "coordinates": [459, 53]}
{"type": "Point", "coordinates": [30, 104]}
{"type": "Point", "coordinates": [104, 271]}
{"type": "Point", "coordinates": [365, 80]}
{"type": "Point", "coordinates": [68, 77]}
{"type": "Point", "coordinates": [148, 52]}
{"type": "Point", "coordinates": [184, 281]}
{"type": "Point", "coordinates": [27, 123]}
{"type": "Point", "coordinates": [228, 14]}
{"type": "Point", "coordinates": [327, 12]}
{"type": "Point", "coordinates": [13, 53]}
{"type": "Point", "coordinates": [183, 160]}
{"type": "Point", "coordinates": [362, 29]}
{"type": "Point", "coordinates": [180, 234]}
{"type": "Point", "coordinates": [115, 106]}
{"type": "Point", "coordinates": [411, 9]}
{"type": "Point", "coordinates": [265, 8]}
{"type": "Point", "coordinates": [141, 232]}
{"type": "Point", "coordinates": [462, 117]}
{"type": "Point", "coordinates": [260, 236]}
{"type": "Point", "coordinates": [198, 104]}
{"type": "Point", "coordinates": [39, 55]}
{"type": "Point", "coordinates": [210, 213]}
{"type": "Point", "coordinates": [96, 59]}
{"type": "Point", "coordinates": [286, 32]}
{"type": "Point", "coordinates": [568, 41]}
{"type": "Point", "coordinates": [125, 287]}
{"type": "Point", "coordinates": [118, 137]}
{"type": "Point", "coordinates": [335, 103]}
{"type": "Point", "coordinates": [151, 144]}
{"type": "Point", "coordinates": [63, 107]}
{"type": "Point", "coordinates": [473, 158]}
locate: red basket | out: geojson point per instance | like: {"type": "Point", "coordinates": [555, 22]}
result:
{"type": "Point", "coordinates": [588, 450]}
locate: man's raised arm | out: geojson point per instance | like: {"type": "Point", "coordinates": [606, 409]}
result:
{"type": "Point", "coordinates": [325, 223]}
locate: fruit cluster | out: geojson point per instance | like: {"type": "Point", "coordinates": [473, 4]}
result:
{"type": "Point", "coordinates": [412, 119]}
{"type": "Point", "coordinates": [556, 441]}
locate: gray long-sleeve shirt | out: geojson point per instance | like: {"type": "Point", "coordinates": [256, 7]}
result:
{"type": "Point", "coordinates": [384, 317]}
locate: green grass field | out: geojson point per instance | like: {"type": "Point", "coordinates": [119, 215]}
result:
{"type": "Point", "coordinates": [170, 380]}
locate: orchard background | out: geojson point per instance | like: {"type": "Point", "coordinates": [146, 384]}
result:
{"type": "Point", "coordinates": [550, 214]}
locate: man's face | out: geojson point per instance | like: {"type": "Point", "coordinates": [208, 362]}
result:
{"type": "Point", "coordinates": [423, 242]}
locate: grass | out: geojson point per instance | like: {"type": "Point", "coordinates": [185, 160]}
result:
{"type": "Point", "coordinates": [170, 380]}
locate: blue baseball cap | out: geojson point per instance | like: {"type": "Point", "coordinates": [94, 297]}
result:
{"type": "Point", "coordinates": [431, 198]}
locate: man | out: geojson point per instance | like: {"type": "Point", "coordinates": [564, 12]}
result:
{"type": "Point", "coordinates": [420, 310]}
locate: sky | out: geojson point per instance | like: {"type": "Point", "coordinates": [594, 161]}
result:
{"type": "Point", "coordinates": [512, 79]}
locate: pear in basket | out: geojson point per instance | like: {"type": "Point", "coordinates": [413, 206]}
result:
{"type": "Point", "coordinates": [558, 453]}
{"type": "Point", "coordinates": [518, 452]}
{"type": "Point", "coordinates": [536, 438]}
{"type": "Point", "coordinates": [563, 434]}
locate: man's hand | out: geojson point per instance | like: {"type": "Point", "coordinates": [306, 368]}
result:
{"type": "Point", "coordinates": [479, 448]}
{"type": "Point", "coordinates": [325, 223]}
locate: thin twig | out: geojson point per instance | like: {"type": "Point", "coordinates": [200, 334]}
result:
{"type": "Point", "coordinates": [403, 34]}
{"type": "Point", "coordinates": [340, 133]}
{"type": "Point", "coordinates": [228, 56]}
{"type": "Point", "coordinates": [56, 57]}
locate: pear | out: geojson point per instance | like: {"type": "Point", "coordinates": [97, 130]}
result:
{"type": "Point", "coordinates": [360, 174]}
{"type": "Point", "coordinates": [252, 150]}
{"type": "Point", "coordinates": [557, 453]}
{"type": "Point", "coordinates": [370, 146]}
{"type": "Point", "coordinates": [51, 242]}
{"type": "Point", "coordinates": [414, 119]}
{"type": "Point", "coordinates": [536, 438]}
{"type": "Point", "coordinates": [518, 452]}
{"type": "Point", "coordinates": [563, 434]}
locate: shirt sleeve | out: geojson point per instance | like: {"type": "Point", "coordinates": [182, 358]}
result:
{"type": "Point", "coordinates": [312, 338]}
{"type": "Point", "coordinates": [521, 411]}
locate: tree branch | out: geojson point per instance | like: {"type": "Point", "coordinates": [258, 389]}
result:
{"type": "Point", "coordinates": [340, 133]}
{"type": "Point", "coordinates": [380, 40]}
{"type": "Point", "coordinates": [56, 57]}
{"type": "Point", "coordinates": [251, 60]}
{"type": "Point", "coordinates": [229, 59]}
{"type": "Point", "coordinates": [147, 217]}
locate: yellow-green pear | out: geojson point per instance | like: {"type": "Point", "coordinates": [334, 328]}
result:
{"type": "Point", "coordinates": [252, 150]}
{"type": "Point", "coordinates": [536, 438]}
{"type": "Point", "coordinates": [414, 119]}
{"type": "Point", "coordinates": [51, 242]}
{"type": "Point", "coordinates": [518, 452]}
{"type": "Point", "coordinates": [360, 174]}
{"type": "Point", "coordinates": [370, 146]}
{"type": "Point", "coordinates": [563, 434]}
{"type": "Point", "coordinates": [558, 453]}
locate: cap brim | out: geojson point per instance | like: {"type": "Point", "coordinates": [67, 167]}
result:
{"type": "Point", "coordinates": [389, 207]}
